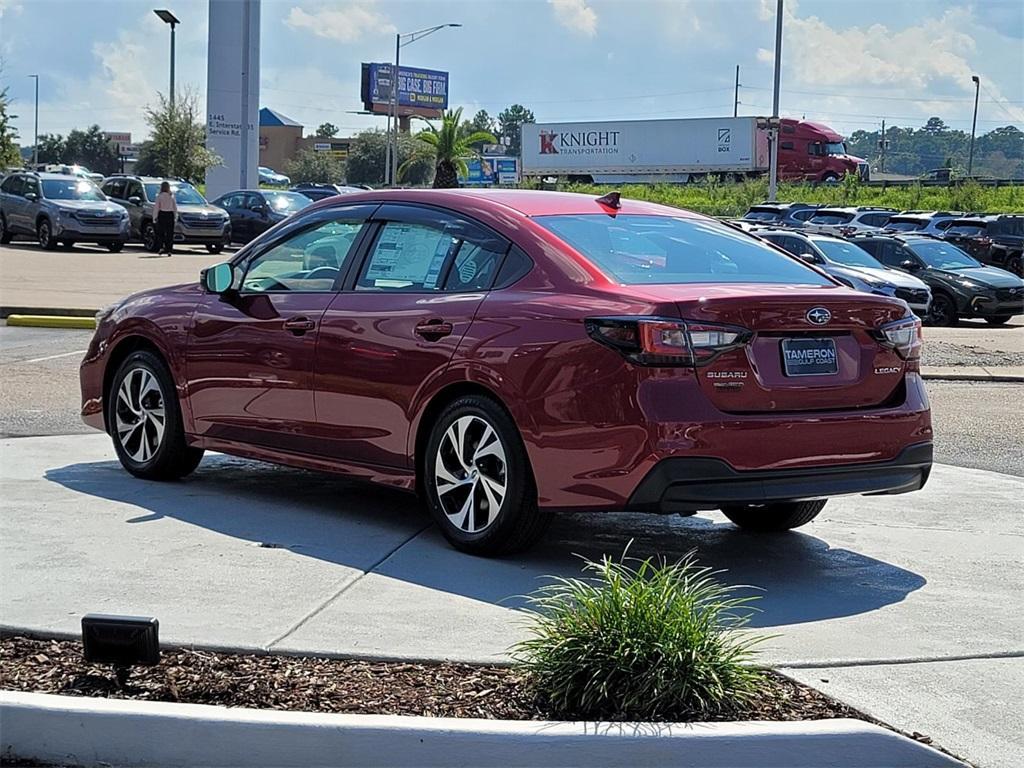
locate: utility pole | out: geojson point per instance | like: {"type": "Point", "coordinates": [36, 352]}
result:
{"type": "Point", "coordinates": [974, 124]}
{"type": "Point", "coordinates": [736, 93]}
{"type": "Point", "coordinates": [881, 145]}
{"type": "Point", "coordinates": [35, 141]}
{"type": "Point", "coordinates": [773, 132]}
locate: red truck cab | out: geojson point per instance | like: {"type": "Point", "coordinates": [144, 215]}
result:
{"type": "Point", "coordinates": [814, 152]}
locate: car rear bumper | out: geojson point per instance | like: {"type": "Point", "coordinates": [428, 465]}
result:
{"type": "Point", "coordinates": [693, 484]}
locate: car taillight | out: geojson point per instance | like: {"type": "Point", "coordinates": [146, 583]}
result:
{"type": "Point", "coordinates": [983, 240]}
{"type": "Point", "coordinates": [660, 341]}
{"type": "Point", "coordinates": [905, 337]}
{"type": "Point", "coordinates": [847, 231]}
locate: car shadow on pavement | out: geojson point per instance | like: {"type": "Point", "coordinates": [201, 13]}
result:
{"type": "Point", "coordinates": [800, 577]}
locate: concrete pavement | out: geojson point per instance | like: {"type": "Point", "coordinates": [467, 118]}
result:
{"type": "Point", "coordinates": [251, 556]}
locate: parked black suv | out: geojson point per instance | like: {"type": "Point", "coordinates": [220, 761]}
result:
{"type": "Point", "coordinates": [961, 286]}
{"type": "Point", "coordinates": [995, 240]}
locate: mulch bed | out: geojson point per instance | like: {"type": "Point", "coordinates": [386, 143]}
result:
{"type": "Point", "coordinates": [333, 685]}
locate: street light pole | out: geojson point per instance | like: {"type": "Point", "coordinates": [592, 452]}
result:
{"type": "Point", "coordinates": [401, 41]}
{"type": "Point", "coordinates": [773, 133]}
{"type": "Point", "coordinates": [974, 124]}
{"type": "Point", "coordinates": [169, 18]}
{"type": "Point", "coordinates": [35, 138]}
{"type": "Point", "coordinates": [736, 93]}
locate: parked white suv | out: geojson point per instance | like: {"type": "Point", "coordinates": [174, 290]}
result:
{"type": "Point", "coordinates": [846, 221]}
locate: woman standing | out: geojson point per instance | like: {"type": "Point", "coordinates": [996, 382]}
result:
{"type": "Point", "coordinates": [165, 210]}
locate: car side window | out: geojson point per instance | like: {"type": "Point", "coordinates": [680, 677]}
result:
{"type": "Point", "coordinates": [888, 253]}
{"type": "Point", "coordinates": [115, 188]}
{"type": "Point", "coordinates": [785, 243]}
{"type": "Point", "coordinates": [407, 257]}
{"type": "Point", "coordinates": [31, 185]}
{"type": "Point", "coordinates": [13, 185]}
{"type": "Point", "coordinates": [231, 201]}
{"type": "Point", "coordinates": [310, 261]}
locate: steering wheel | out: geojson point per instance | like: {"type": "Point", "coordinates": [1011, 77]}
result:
{"type": "Point", "coordinates": [322, 273]}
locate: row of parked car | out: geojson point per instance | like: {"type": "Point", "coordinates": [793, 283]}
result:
{"type": "Point", "coordinates": [59, 208]}
{"type": "Point", "coordinates": [945, 265]}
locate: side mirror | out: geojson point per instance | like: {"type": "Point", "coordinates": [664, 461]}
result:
{"type": "Point", "coordinates": [910, 265]}
{"type": "Point", "coordinates": [31, 196]}
{"type": "Point", "coordinates": [810, 258]}
{"type": "Point", "coordinates": [135, 200]}
{"type": "Point", "coordinates": [218, 278]}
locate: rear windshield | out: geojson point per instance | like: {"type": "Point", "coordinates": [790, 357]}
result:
{"type": "Point", "coordinates": [831, 217]}
{"type": "Point", "coordinates": [966, 228]}
{"type": "Point", "coordinates": [71, 188]}
{"type": "Point", "coordinates": [638, 250]}
{"type": "Point", "coordinates": [763, 214]}
{"type": "Point", "coordinates": [286, 202]}
{"type": "Point", "coordinates": [901, 224]}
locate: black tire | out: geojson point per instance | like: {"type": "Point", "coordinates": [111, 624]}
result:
{"type": "Point", "coordinates": [943, 311]}
{"type": "Point", "coordinates": [67, 245]}
{"type": "Point", "coordinates": [149, 239]}
{"type": "Point", "coordinates": [115, 247]}
{"type": "Point", "coordinates": [5, 233]}
{"type": "Point", "coordinates": [781, 516]}
{"type": "Point", "coordinates": [1015, 264]}
{"type": "Point", "coordinates": [830, 178]}
{"type": "Point", "coordinates": [172, 458]}
{"type": "Point", "coordinates": [44, 234]}
{"type": "Point", "coordinates": [215, 247]}
{"type": "Point", "coordinates": [519, 522]}
{"type": "Point", "coordinates": [998, 319]}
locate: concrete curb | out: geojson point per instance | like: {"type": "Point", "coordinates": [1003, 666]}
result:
{"type": "Point", "coordinates": [987, 376]}
{"type": "Point", "coordinates": [51, 321]}
{"type": "Point", "coordinates": [6, 311]}
{"type": "Point", "coordinates": [95, 731]}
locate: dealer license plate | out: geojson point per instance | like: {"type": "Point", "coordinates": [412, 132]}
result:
{"type": "Point", "coordinates": [809, 357]}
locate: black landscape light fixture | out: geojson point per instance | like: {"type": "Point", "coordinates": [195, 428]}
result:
{"type": "Point", "coordinates": [123, 641]}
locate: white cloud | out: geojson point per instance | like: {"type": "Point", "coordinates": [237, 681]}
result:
{"type": "Point", "coordinates": [346, 25]}
{"type": "Point", "coordinates": [927, 65]}
{"type": "Point", "coordinates": [9, 6]}
{"type": "Point", "coordinates": [576, 16]}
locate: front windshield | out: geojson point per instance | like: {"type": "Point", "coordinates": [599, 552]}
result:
{"type": "Point", "coordinates": [71, 189]}
{"type": "Point", "coordinates": [835, 148]}
{"type": "Point", "coordinates": [847, 254]}
{"type": "Point", "coordinates": [637, 250]}
{"type": "Point", "coordinates": [286, 202]}
{"type": "Point", "coordinates": [184, 194]}
{"type": "Point", "coordinates": [904, 225]}
{"type": "Point", "coordinates": [943, 255]}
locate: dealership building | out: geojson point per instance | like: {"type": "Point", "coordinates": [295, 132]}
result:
{"type": "Point", "coordinates": [281, 140]}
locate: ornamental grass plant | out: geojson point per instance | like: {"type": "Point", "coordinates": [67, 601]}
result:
{"type": "Point", "coordinates": [643, 640]}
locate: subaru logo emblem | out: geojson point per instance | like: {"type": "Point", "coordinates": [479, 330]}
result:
{"type": "Point", "coordinates": [818, 316]}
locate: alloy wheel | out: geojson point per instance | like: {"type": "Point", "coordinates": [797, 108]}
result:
{"type": "Point", "coordinates": [149, 237]}
{"type": "Point", "coordinates": [470, 474]}
{"type": "Point", "coordinates": [140, 417]}
{"type": "Point", "coordinates": [44, 234]}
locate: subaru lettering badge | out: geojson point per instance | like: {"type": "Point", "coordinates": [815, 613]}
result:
{"type": "Point", "coordinates": [818, 316]}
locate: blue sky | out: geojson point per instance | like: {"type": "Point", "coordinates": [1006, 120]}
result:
{"type": "Point", "coordinates": [844, 63]}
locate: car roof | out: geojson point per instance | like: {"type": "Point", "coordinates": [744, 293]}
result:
{"type": "Point", "coordinates": [526, 202]}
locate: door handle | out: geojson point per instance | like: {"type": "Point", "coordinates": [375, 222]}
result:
{"type": "Point", "coordinates": [432, 330]}
{"type": "Point", "coordinates": [299, 325]}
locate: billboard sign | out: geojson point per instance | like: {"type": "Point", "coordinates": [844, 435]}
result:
{"type": "Point", "coordinates": [418, 89]}
{"type": "Point", "coordinates": [484, 171]}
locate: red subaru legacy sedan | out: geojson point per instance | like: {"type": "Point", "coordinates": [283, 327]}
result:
{"type": "Point", "coordinates": [510, 354]}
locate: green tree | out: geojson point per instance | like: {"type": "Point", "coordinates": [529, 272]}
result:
{"type": "Point", "coordinates": [91, 149]}
{"type": "Point", "coordinates": [510, 123]}
{"type": "Point", "coordinates": [179, 138]}
{"type": "Point", "coordinates": [327, 131]}
{"type": "Point", "coordinates": [449, 148]}
{"type": "Point", "coordinates": [365, 164]}
{"type": "Point", "coordinates": [9, 153]}
{"type": "Point", "coordinates": [315, 167]}
{"type": "Point", "coordinates": [52, 148]}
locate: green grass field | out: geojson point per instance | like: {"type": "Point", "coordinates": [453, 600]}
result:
{"type": "Point", "coordinates": [733, 199]}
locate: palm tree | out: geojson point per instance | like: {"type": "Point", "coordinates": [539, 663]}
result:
{"type": "Point", "coordinates": [449, 146]}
